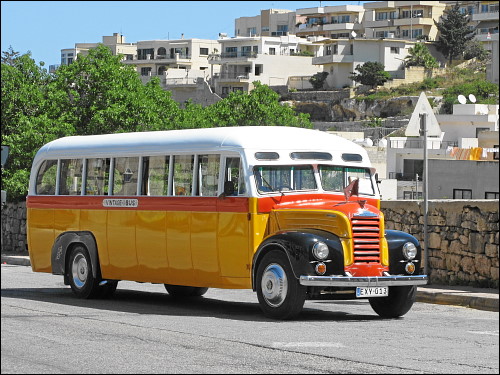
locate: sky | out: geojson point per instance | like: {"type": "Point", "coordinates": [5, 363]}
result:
{"type": "Point", "coordinates": [45, 27]}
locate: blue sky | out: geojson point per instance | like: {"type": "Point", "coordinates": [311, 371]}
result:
{"type": "Point", "coordinates": [46, 27]}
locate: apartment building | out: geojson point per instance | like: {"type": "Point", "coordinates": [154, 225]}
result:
{"type": "Point", "coordinates": [270, 60]}
{"type": "Point", "coordinates": [340, 57]}
{"type": "Point", "coordinates": [116, 43]}
{"type": "Point", "coordinates": [412, 20]}
{"type": "Point", "coordinates": [339, 21]}
{"type": "Point", "coordinates": [155, 57]}
{"type": "Point", "coordinates": [270, 22]}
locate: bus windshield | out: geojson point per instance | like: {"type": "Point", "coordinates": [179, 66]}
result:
{"type": "Point", "coordinates": [280, 178]}
{"type": "Point", "coordinates": [335, 178]}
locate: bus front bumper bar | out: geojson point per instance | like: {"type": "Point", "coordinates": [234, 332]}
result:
{"type": "Point", "coordinates": [373, 281]}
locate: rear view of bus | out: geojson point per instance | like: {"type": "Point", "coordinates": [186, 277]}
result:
{"type": "Point", "coordinates": [293, 214]}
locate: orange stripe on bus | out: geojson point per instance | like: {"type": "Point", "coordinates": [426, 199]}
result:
{"type": "Point", "coordinates": [196, 204]}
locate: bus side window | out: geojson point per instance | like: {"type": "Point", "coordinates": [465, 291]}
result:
{"type": "Point", "coordinates": [208, 175]}
{"type": "Point", "coordinates": [70, 177]}
{"type": "Point", "coordinates": [183, 175]}
{"type": "Point", "coordinates": [155, 180]}
{"type": "Point", "coordinates": [125, 176]}
{"type": "Point", "coordinates": [46, 178]}
{"type": "Point", "coordinates": [233, 173]}
{"type": "Point", "coordinates": [97, 176]}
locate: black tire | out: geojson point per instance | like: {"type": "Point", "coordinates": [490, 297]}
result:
{"type": "Point", "coordinates": [180, 291]}
{"type": "Point", "coordinates": [279, 292]}
{"type": "Point", "coordinates": [80, 275]}
{"type": "Point", "coordinates": [398, 303]}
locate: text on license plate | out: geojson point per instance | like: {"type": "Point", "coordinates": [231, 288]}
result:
{"type": "Point", "coordinates": [379, 291]}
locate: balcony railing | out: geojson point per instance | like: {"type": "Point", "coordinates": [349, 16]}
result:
{"type": "Point", "coordinates": [234, 55]}
{"type": "Point", "coordinates": [404, 176]}
{"type": "Point", "coordinates": [434, 144]}
{"type": "Point", "coordinates": [236, 76]}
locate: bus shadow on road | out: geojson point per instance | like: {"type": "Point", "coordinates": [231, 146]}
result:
{"type": "Point", "coordinates": [154, 303]}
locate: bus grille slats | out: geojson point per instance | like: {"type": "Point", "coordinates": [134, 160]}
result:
{"type": "Point", "coordinates": [366, 236]}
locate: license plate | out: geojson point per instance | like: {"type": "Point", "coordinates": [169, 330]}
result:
{"type": "Point", "coordinates": [369, 292]}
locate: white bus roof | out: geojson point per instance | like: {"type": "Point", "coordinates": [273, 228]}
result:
{"type": "Point", "coordinates": [245, 138]}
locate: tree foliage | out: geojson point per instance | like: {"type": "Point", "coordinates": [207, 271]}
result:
{"type": "Point", "coordinates": [454, 33]}
{"type": "Point", "coordinates": [318, 80]}
{"type": "Point", "coordinates": [97, 94]}
{"type": "Point", "coordinates": [371, 74]}
{"type": "Point", "coordinates": [419, 55]}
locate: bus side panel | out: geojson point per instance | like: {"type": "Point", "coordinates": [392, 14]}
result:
{"type": "Point", "coordinates": [66, 220]}
{"type": "Point", "coordinates": [94, 221]}
{"type": "Point", "coordinates": [151, 243]}
{"type": "Point", "coordinates": [179, 248]}
{"type": "Point", "coordinates": [204, 248]}
{"type": "Point", "coordinates": [41, 237]}
{"type": "Point", "coordinates": [121, 245]}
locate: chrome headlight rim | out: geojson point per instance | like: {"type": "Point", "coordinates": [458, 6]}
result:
{"type": "Point", "coordinates": [320, 250]}
{"type": "Point", "coordinates": [410, 250]}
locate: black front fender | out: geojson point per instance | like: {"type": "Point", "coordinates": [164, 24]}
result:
{"type": "Point", "coordinates": [397, 262]}
{"type": "Point", "coordinates": [297, 245]}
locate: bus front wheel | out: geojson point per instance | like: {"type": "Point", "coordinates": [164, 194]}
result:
{"type": "Point", "coordinates": [398, 303]}
{"type": "Point", "coordinates": [280, 294]}
{"type": "Point", "coordinates": [180, 291]}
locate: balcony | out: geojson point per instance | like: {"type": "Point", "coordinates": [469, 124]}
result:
{"type": "Point", "coordinates": [232, 77]}
{"type": "Point", "coordinates": [330, 59]}
{"type": "Point", "coordinates": [432, 144]}
{"type": "Point", "coordinates": [238, 55]}
{"type": "Point", "coordinates": [487, 16]}
{"type": "Point", "coordinates": [405, 176]}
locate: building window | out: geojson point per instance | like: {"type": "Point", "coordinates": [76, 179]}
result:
{"type": "Point", "coordinates": [416, 33]}
{"type": "Point", "coordinates": [412, 195]}
{"type": "Point", "coordinates": [395, 50]}
{"type": "Point", "coordinates": [462, 194]}
{"type": "Point", "coordinates": [203, 51]}
{"type": "Point", "coordinates": [272, 51]}
{"type": "Point", "coordinates": [491, 195]}
{"type": "Point", "coordinates": [145, 71]}
{"type": "Point", "coordinates": [252, 31]}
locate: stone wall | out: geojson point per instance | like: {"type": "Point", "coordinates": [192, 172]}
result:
{"type": "Point", "coordinates": [463, 236]}
{"type": "Point", "coordinates": [14, 228]}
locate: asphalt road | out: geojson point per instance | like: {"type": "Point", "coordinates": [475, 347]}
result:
{"type": "Point", "coordinates": [45, 329]}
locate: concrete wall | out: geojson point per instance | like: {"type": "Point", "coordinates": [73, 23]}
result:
{"type": "Point", "coordinates": [463, 236]}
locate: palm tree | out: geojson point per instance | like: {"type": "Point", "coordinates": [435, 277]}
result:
{"type": "Point", "coordinates": [419, 55]}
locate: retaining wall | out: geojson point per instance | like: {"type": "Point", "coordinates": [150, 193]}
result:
{"type": "Point", "coordinates": [463, 236]}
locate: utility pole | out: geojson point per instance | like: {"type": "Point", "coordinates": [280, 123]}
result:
{"type": "Point", "coordinates": [423, 127]}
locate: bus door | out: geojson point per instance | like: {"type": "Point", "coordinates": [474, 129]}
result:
{"type": "Point", "coordinates": [233, 222]}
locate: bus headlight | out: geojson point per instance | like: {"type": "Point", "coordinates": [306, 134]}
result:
{"type": "Point", "coordinates": [320, 250]}
{"type": "Point", "coordinates": [409, 251]}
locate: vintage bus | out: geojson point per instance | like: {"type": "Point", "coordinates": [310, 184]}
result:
{"type": "Point", "coordinates": [291, 213]}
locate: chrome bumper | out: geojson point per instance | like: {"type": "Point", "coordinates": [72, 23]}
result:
{"type": "Point", "coordinates": [347, 281]}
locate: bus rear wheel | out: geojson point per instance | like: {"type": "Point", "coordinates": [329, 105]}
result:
{"type": "Point", "coordinates": [280, 294]}
{"type": "Point", "coordinates": [180, 291]}
{"type": "Point", "coordinates": [81, 277]}
{"type": "Point", "coordinates": [398, 303]}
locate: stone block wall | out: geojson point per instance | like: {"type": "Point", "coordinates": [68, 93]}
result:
{"type": "Point", "coordinates": [463, 238]}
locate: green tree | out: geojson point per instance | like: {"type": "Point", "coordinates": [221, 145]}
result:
{"type": "Point", "coordinates": [260, 107]}
{"type": "Point", "coordinates": [419, 55]}
{"type": "Point", "coordinates": [28, 120]}
{"type": "Point", "coordinates": [454, 33]}
{"type": "Point", "coordinates": [101, 95]}
{"type": "Point", "coordinates": [370, 73]}
{"type": "Point", "coordinates": [475, 49]}
{"type": "Point", "coordinates": [318, 80]}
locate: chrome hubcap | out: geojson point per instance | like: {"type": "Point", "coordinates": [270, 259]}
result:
{"type": "Point", "coordinates": [274, 285]}
{"type": "Point", "coordinates": [79, 271]}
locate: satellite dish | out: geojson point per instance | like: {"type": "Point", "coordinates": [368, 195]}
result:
{"type": "Point", "coordinates": [462, 99]}
{"type": "Point", "coordinates": [472, 98]}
